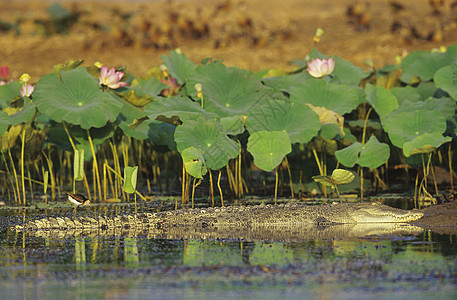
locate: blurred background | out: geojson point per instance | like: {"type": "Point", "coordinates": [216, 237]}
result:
{"type": "Point", "coordinates": [252, 34]}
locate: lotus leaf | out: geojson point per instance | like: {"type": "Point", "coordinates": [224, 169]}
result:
{"type": "Point", "coordinates": [285, 83]}
{"type": "Point", "coordinates": [161, 134]}
{"type": "Point", "coordinates": [179, 66]}
{"type": "Point", "coordinates": [327, 116]}
{"type": "Point", "coordinates": [130, 177]}
{"type": "Point", "coordinates": [78, 165]}
{"type": "Point", "coordinates": [4, 122]}
{"type": "Point", "coordinates": [339, 176]}
{"type": "Point", "coordinates": [226, 91]}
{"type": "Point", "coordinates": [446, 79]}
{"type": "Point", "coordinates": [381, 99]}
{"type": "Point", "coordinates": [425, 143]}
{"type": "Point", "coordinates": [181, 108]}
{"type": "Point", "coordinates": [297, 119]}
{"type": "Point", "coordinates": [269, 148]}
{"type": "Point", "coordinates": [209, 137]}
{"type": "Point", "coordinates": [407, 93]}
{"type": "Point", "coordinates": [329, 131]}
{"type": "Point", "coordinates": [75, 96]}
{"type": "Point", "coordinates": [405, 126]}
{"type": "Point", "coordinates": [144, 92]}
{"type": "Point", "coordinates": [424, 64]}
{"type": "Point", "coordinates": [194, 162]}
{"type": "Point", "coordinates": [8, 92]}
{"type": "Point", "coordinates": [233, 125]}
{"type": "Point", "coordinates": [338, 98]}
{"type": "Point", "coordinates": [371, 155]}
{"type": "Point", "coordinates": [25, 114]}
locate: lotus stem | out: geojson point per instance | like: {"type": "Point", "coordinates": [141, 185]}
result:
{"type": "Point", "coordinates": [193, 189]}
{"type": "Point", "coordinates": [219, 186]}
{"type": "Point", "coordinates": [95, 168]}
{"type": "Point", "coordinates": [361, 184]}
{"type": "Point", "coordinates": [211, 187]}
{"type": "Point", "coordinates": [183, 188]}
{"type": "Point", "coordinates": [14, 171]}
{"type": "Point", "coordinates": [51, 175]}
{"type": "Point", "coordinates": [451, 171]}
{"type": "Point", "coordinates": [11, 181]}
{"type": "Point", "coordinates": [22, 166]}
{"type": "Point", "coordinates": [276, 185]}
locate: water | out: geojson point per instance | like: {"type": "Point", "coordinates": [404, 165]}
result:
{"type": "Point", "coordinates": [137, 267]}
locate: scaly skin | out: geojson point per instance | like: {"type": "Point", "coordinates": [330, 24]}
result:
{"type": "Point", "coordinates": [268, 216]}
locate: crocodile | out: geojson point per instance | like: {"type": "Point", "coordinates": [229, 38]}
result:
{"type": "Point", "coordinates": [236, 221]}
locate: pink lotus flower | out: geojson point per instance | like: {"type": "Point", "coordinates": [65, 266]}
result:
{"type": "Point", "coordinates": [173, 86]}
{"type": "Point", "coordinates": [111, 78]}
{"type": "Point", "coordinates": [320, 67]}
{"type": "Point", "coordinates": [26, 90]}
{"type": "Point", "coordinates": [4, 72]}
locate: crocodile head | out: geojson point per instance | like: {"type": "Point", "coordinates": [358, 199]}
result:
{"type": "Point", "coordinates": [376, 212]}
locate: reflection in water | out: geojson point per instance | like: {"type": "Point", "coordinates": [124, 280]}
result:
{"type": "Point", "coordinates": [380, 264]}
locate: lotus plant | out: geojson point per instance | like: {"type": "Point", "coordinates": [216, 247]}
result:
{"type": "Point", "coordinates": [111, 78]}
{"type": "Point", "coordinates": [320, 67]}
{"type": "Point", "coordinates": [26, 89]}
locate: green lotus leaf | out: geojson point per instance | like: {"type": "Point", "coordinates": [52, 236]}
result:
{"type": "Point", "coordinates": [269, 148]}
{"type": "Point", "coordinates": [329, 131]}
{"type": "Point", "coordinates": [226, 91]}
{"type": "Point", "coordinates": [179, 66]}
{"type": "Point", "coordinates": [406, 93]}
{"type": "Point", "coordinates": [75, 96]}
{"type": "Point", "coordinates": [4, 122]}
{"type": "Point", "coordinates": [445, 105]}
{"type": "Point", "coordinates": [144, 92]}
{"type": "Point", "coordinates": [297, 119]}
{"type": "Point", "coordinates": [338, 98]}
{"type": "Point", "coordinates": [324, 180]}
{"type": "Point", "coordinates": [161, 133]}
{"type": "Point", "coordinates": [424, 64]}
{"type": "Point", "coordinates": [25, 114]}
{"type": "Point", "coordinates": [286, 82]}
{"type": "Point", "coordinates": [373, 153]}
{"type": "Point", "coordinates": [130, 177]}
{"type": "Point", "coordinates": [340, 176]}
{"type": "Point", "coordinates": [174, 108]}
{"type": "Point", "coordinates": [98, 136]}
{"type": "Point", "coordinates": [209, 137]}
{"type": "Point", "coordinates": [349, 156]}
{"type": "Point", "coordinates": [381, 99]}
{"type": "Point", "coordinates": [426, 89]}
{"type": "Point", "coordinates": [344, 73]}
{"type": "Point", "coordinates": [425, 143]}
{"type": "Point", "coordinates": [78, 165]}
{"type": "Point", "coordinates": [127, 119]}
{"type": "Point", "coordinates": [194, 162]}
{"type": "Point", "coordinates": [446, 79]}
{"type": "Point", "coordinates": [405, 126]}
{"type": "Point", "coordinates": [8, 92]}
{"type": "Point", "coordinates": [233, 125]}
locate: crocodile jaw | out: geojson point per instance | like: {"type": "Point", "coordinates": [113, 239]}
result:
{"type": "Point", "coordinates": [376, 213]}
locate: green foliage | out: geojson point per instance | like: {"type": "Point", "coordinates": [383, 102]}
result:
{"type": "Point", "coordinates": [269, 148]}
{"type": "Point", "coordinates": [75, 96]}
{"type": "Point", "coordinates": [336, 97]}
{"type": "Point", "coordinates": [339, 176]}
{"type": "Point", "coordinates": [226, 91]}
{"type": "Point", "coordinates": [179, 66]}
{"type": "Point", "coordinates": [194, 162]}
{"type": "Point", "coordinates": [372, 155]}
{"type": "Point", "coordinates": [297, 119]}
{"type": "Point", "coordinates": [78, 165]}
{"type": "Point", "coordinates": [207, 136]}
{"type": "Point", "coordinates": [130, 176]}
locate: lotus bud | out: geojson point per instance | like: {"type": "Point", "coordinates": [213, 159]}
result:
{"type": "Point", "coordinates": [198, 88]}
{"type": "Point", "coordinates": [317, 36]}
{"type": "Point", "coordinates": [164, 70]}
{"type": "Point", "coordinates": [4, 72]}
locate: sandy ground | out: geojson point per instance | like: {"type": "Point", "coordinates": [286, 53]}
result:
{"type": "Point", "coordinates": [251, 34]}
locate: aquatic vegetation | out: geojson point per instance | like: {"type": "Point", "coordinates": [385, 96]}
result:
{"type": "Point", "coordinates": [193, 119]}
